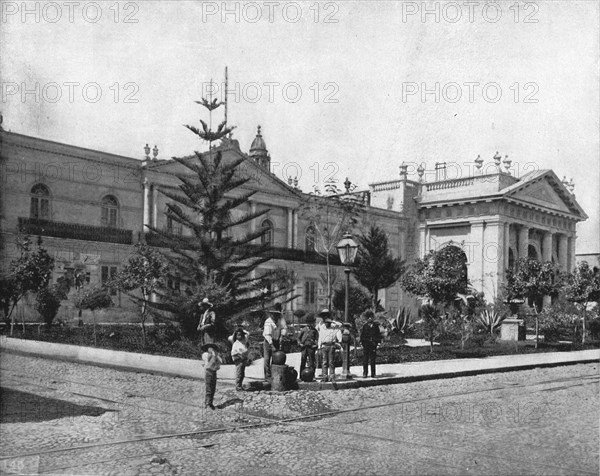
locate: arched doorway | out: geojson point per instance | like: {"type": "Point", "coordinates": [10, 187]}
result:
{"type": "Point", "coordinates": [532, 253]}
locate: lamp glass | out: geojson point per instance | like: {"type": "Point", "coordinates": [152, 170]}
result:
{"type": "Point", "coordinates": [347, 249]}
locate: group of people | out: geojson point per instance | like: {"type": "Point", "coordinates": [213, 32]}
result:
{"type": "Point", "coordinates": [315, 337]}
{"type": "Point", "coordinates": [326, 339]}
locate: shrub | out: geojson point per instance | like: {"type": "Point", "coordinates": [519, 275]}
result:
{"type": "Point", "coordinates": [359, 301]}
{"type": "Point", "coordinates": [560, 322]}
{"type": "Point", "coordinates": [595, 328]}
{"type": "Point", "coordinates": [47, 303]}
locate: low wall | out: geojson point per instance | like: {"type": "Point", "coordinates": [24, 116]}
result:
{"type": "Point", "coordinates": [113, 358]}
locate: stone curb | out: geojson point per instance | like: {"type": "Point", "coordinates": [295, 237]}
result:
{"type": "Point", "coordinates": [188, 368]}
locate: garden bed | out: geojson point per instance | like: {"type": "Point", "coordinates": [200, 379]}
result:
{"type": "Point", "coordinates": [167, 341]}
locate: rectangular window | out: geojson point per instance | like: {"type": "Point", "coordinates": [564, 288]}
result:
{"type": "Point", "coordinates": [33, 211]}
{"type": "Point", "coordinates": [45, 209]}
{"type": "Point", "coordinates": [108, 274]}
{"type": "Point", "coordinates": [310, 292]}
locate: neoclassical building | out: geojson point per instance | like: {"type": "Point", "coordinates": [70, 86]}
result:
{"type": "Point", "coordinates": [91, 207]}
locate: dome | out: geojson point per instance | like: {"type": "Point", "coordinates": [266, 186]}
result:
{"type": "Point", "coordinates": [258, 146]}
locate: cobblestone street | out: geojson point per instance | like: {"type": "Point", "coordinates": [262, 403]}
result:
{"type": "Point", "coordinates": [67, 418]}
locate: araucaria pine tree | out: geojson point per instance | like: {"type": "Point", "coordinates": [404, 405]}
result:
{"type": "Point", "coordinates": [218, 257]}
{"type": "Point", "coordinates": [376, 268]}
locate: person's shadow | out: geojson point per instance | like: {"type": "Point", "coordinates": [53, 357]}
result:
{"type": "Point", "coordinates": [228, 403]}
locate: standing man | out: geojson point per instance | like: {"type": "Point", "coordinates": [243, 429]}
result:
{"type": "Point", "coordinates": [329, 338]}
{"type": "Point", "coordinates": [370, 337]}
{"type": "Point", "coordinates": [271, 339]}
{"type": "Point", "coordinates": [208, 322]}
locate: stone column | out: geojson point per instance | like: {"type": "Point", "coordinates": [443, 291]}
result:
{"type": "Point", "coordinates": [422, 240]}
{"type": "Point", "coordinates": [547, 246]}
{"type": "Point", "coordinates": [290, 228]}
{"type": "Point", "coordinates": [547, 256]}
{"type": "Point", "coordinates": [571, 252]}
{"type": "Point", "coordinates": [563, 257]}
{"type": "Point", "coordinates": [154, 206]}
{"type": "Point", "coordinates": [475, 255]}
{"type": "Point", "coordinates": [146, 205]}
{"type": "Point", "coordinates": [493, 250]}
{"type": "Point", "coordinates": [523, 241]}
{"type": "Point", "coordinates": [295, 232]}
{"type": "Point", "coordinates": [505, 249]}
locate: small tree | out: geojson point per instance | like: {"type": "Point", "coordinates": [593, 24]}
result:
{"type": "Point", "coordinates": [30, 272]}
{"type": "Point", "coordinates": [92, 299]}
{"type": "Point", "coordinates": [532, 280]}
{"type": "Point", "coordinates": [582, 287]}
{"type": "Point", "coordinates": [432, 321]}
{"type": "Point", "coordinates": [144, 273]}
{"type": "Point", "coordinates": [437, 279]}
{"type": "Point", "coordinates": [330, 216]}
{"type": "Point", "coordinates": [375, 267]}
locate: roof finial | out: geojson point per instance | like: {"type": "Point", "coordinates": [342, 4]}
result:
{"type": "Point", "coordinates": [258, 131]}
{"type": "Point", "coordinates": [507, 163]}
{"type": "Point", "coordinates": [497, 158]}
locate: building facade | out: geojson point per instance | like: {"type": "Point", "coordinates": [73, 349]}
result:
{"type": "Point", "coordinates": [92, 207]}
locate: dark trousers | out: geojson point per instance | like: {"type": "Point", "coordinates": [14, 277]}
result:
{"type": "Point", "coordinates": [210, 381]}
{"type": "Point", "coordinates": [268, 354]}
{"type": "Point", "coordinates": [369, 356]}
{"type": "Point", "coordinates": [328, 353]}
{"type": "Point", "coordinates": [240, 372]}
{"type": "Point", "coordinates": [307, 355]}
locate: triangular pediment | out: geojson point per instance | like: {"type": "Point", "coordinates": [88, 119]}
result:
{"type": "Point", "coordinates": [542, 193]}
{"type": "Point", "coordinates": [545, 190]}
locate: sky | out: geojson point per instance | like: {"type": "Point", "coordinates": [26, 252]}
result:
{"type": "Point", "coordinates": [341, 89]}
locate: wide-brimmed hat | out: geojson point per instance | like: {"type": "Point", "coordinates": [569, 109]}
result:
{"type": "Point", "coordinates": [324, 313]}
{"type": "Point", "coordinates": [206, 302]}
{"type": "Point", "coordinates": [205, 347]}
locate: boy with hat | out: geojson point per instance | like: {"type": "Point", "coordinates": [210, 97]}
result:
{"type": "Point", "coordinates": [329, 339]}
{"type": "Point", "coordinates": [308, 343]}
{"type": "Point", "coordinates": [212, 363]}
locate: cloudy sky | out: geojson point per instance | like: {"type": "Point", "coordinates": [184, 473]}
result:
{"type": "Point", "coordinates": [346, 88]}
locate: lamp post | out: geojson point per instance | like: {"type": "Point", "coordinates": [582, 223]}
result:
{"type": "Point", "coordinates": [347, 248]}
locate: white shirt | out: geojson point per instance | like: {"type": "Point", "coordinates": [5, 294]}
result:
{"type": "Point", "coordinates": [270, 326]}
{"type": "Point", "coordinates": [329, 336]}
{"type": "Point", "coordinates": [239, 348]}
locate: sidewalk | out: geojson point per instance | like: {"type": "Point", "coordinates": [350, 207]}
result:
{"type": "Point", "coordinates": [387, 373]}
{"type": "Point", "coordinates": [414, 371]}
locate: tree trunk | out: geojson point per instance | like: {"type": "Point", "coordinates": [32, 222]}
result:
{"type": "Point", "coordinates": [94, 327]}
{"type": "Point", "coordinates": [143, 319]}
{"type": "Point", "coordinates": [328, 282]}
{"type": "Point", "coordinates": [583, 324]}
{"type": "Point", "coordinates": [537, 330]}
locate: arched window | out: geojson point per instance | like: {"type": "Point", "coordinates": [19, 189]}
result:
{"type": "Point", "coordinates": [40, 202]}
{"type": "Point", "coordinates": [267, 229]}
{"type": "Point", "coordinates": [173, 226]}
{"type": "Point", "coordinates": [310, 240]}
{"type": "Point", "coordinates": [110, 211]}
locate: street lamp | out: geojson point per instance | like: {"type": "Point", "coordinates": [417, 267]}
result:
{"type": "Point", "coordinates": [347, 249]}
